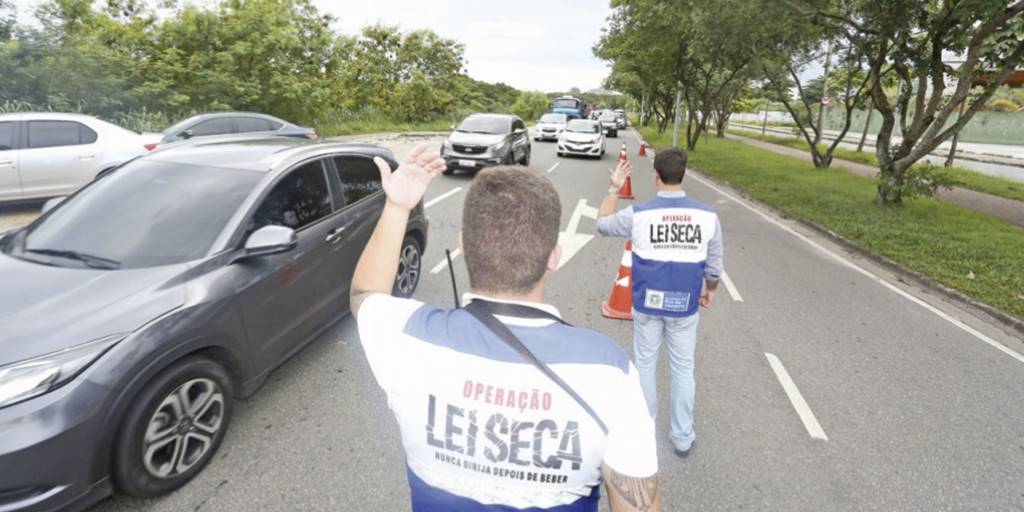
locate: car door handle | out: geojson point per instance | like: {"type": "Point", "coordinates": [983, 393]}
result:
{"type": "Point", "coordinates": [87, 156]}
{"type": "Point", "coordinates": [335, 234]}
{"type": "Point", "coordinates": [6, 162]}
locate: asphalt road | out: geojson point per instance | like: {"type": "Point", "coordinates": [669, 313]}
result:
{"type": "Point", "coordinates": [907, 402]}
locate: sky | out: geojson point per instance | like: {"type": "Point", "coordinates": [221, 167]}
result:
{"type": "Point", "coordinates": [542, 45]}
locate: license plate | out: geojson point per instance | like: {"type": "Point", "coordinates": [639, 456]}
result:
{"type": "Point", "coordinates": [467, 163]}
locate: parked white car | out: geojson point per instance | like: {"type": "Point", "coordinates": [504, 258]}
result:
{"type": "Point", "coordinates": [51, 154]}
{"type": "Point", "coordinates": [550, 126]}
{"type": "Point", "coordinates": [582, 137]}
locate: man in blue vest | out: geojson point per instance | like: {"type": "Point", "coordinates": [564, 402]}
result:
{"type": "Point", "coordinates": [677, 260]}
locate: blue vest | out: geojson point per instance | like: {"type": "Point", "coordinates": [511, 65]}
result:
{"type": "Point", "coordinates": [670, 247]}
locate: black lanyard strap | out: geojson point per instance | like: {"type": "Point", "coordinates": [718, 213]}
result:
{"type": "Point", "coordinates": [482, 311]}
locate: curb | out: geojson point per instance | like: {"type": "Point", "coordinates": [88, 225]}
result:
{"type": "Point", "coordinates": [903, 273]}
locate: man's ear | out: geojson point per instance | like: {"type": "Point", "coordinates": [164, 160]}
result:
{"type": "Point", "coordinates": [555, 258]}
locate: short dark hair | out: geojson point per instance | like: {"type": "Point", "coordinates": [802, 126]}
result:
{"type": "Point", "coordinates": [670, 165]}
{"type": "Point", "coordinates": [510, 226]}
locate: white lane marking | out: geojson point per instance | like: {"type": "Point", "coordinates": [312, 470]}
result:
{"type": "Point", "coordinates": [847, 263]}
{"type": "Point", "coordinates": [571, 241]}
{"type": "Point", "coordinates": [441, 197]}
{"type": "Point", "coordinates": [731, 288]}
{"type": "Point", "coordinates": [553, 167]}
{"type": "Point", "coordinates": [795, 398]}
{"type": "Point", "coordinates": [444, 262]}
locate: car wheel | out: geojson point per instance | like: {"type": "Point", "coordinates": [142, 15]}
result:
{"type": "Point", "coordinates": [173, 428]}
{"type": "Point", "coordinates": [410, 261]}
{"type": "Point", "coordinates": [526, 159]}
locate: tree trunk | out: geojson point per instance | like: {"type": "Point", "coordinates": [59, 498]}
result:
{"type": "Point", "coordinates": [890, 188]}
{"type": "Point", "coordinates": [864, 134]}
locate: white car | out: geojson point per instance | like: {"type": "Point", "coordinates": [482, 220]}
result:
{"type": "Point", "coordinates": [550, 126]}
{"type": "Point", "coordinates": [582, 137]}
{"type": "Point", "coordinates": [50, 154]}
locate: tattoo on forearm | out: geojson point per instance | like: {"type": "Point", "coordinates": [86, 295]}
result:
{"type": "Point", "coordinates": [638, 492]}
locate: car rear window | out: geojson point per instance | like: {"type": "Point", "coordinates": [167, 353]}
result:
{"type": "Point", "coordinates": [253, 124]}
{"type": "Point", "coordinates": [6, 136]}
{"type": "Point", "coordinates": [48, 134]}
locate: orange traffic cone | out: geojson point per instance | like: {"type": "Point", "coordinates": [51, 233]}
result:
{"type": "Point", "coordinates": [626, 190]}
{"type": "Point", "coordinates": [620, 305]}
{"type": "Point", "coordinates": [643, 150]}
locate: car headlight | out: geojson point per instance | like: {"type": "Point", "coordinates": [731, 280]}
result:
{"type": "Point", "coordinates": [33, 377]}
{"type": "Point", "coordinates": [446, 146]}
{"type": "Point", "coordinates": [500, 146]}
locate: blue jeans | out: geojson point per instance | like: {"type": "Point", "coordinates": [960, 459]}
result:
{"type": "Point", "coordinates": [681, 333]}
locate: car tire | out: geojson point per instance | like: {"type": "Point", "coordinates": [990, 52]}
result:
{"type": "Point", "coordinates": [158, 448]}
{"type": "Point", "coordinates": [448, 171]}
{"type": "Point", "coordinates": [410, 267]}
{"type": "Point", "coordinates": [525, 162]}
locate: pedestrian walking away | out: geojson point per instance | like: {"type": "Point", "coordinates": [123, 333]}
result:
{"type": "Point", "coordinates": [501, 404]}
{"type": "Point", "coordinates": [677, 261]}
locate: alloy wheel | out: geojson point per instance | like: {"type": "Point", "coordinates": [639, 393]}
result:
{"type": "Point", "coordinates": [408, 269]}
{"type": "Point", "coordinates": [182, 429]}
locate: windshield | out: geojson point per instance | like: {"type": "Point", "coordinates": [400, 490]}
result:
{"type": "Point", "coordinates": [608, 117]}
{"type": "Point", "coordinates": [566, 103]}
{"type": "Point", "coordinates": [493, 125]}
{"type": "Point", "coordinates": [145, 214]}
{"type": "Point", "coordinates": [581, 126]}
{"type": "Point", "coordinates": [553, 118]}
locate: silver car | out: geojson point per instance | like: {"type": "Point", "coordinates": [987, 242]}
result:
{"type": "Point", "coordinates": [51, 154]}
{"type": "Point", "coordinates": [136, 311]}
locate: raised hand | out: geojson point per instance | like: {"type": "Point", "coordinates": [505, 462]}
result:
{"type": "Point", "coordinates": [620, 173]}
{"type": "Point", "coordinates": [406, 185]}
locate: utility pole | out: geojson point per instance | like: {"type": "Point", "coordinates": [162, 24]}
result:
{"type": "Point", "coordinates": [675, 124]}
{"type": "Point", "coordinates": [824, 93]}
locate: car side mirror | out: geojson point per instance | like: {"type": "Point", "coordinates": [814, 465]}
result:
{"type": "Point", "coordinates": [270, 240]}
{"type": "Point", "coordinates": [187, 134]}
{"type": "Point", "coordinates": [51, 203]}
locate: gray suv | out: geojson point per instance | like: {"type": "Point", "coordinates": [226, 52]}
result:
{"type": "Point", "coordinates": [137, 310]}
{"type": "Point", "coordinates": [483, 140]}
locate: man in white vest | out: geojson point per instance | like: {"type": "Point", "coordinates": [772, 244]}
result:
{"type": "Point", "coordinates": [677, 261]}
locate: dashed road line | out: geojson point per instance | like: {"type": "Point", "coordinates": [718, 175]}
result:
{"type": "Point", "coordinates": [442, 197]}
{"type": "Point", "coordinates": [802, 409]}
{"type": "Point", "coordinates": [553, 167]}
{"type": "Point", "coordinates": [444, 262]}
{"type": "Point", "coordinates": [853, 266]}
{"type": "Point", "coordinates": [731, 288]}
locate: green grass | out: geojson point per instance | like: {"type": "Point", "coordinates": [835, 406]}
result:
{"type": "Point", "coordinates": [968, 251]}
{"type": "Point", "coordinates": [965, 178]}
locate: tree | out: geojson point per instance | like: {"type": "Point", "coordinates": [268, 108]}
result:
{"type": "Point", "coordinates": [909, 38]}
{"type": "Point", "coordinates": [530, 105]}
{"type": "Point", "coordinates": [6, 20]}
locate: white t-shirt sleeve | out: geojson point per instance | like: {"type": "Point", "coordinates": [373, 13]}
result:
{"type": "Point", "coordinates": [631, 447]}
{"type": "Point", "coordinates": [381, 321]}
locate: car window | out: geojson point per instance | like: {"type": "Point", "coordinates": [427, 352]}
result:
{"type": "Point", "coordinates": [48, 134]}
{"type": "Point", "coordinates": [359, 177]}
{"type": "Point", "coordinates": [253, 124]}
{"type": "Point", "coordinates": [518, 125]}
{"type": "Point", "coordinates": [217, 126]}
{"type": "Point", "coordinates": [165, 213]}
{"type": "Point", "coordinates": [296, 201]}
{"type": "Point", "coordinates": [6, 136]}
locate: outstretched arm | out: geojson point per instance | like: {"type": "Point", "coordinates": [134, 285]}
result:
{"type": "Point", "coordinates": [375, 272]}
{"type": "Point", "coordinates": [631, 494]}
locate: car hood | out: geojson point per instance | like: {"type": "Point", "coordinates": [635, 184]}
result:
{"type": "Point", "coordinates": [581, 137]}
{"type": "Point", "coordinates": [550, 125]}
{"type": "Point", "coordinates": [45, 308]}
{"type": "Point", "coordinates": [475, 139]}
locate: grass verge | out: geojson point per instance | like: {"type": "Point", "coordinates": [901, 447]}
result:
{"type": "Point", "coordinates": [965, 178]}
{"type": "Point", "coordinates": [965, 250]}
